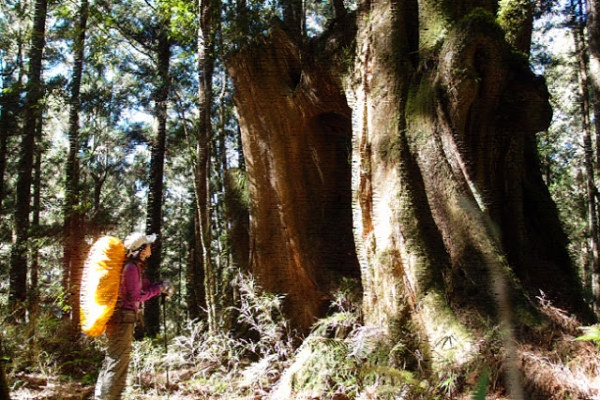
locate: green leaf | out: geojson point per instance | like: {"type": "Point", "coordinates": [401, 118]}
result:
{"type": "Point", "coordinates": [481, 389]}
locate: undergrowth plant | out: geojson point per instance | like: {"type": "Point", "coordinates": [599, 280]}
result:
{"type": "Point", "coordinates": [590, 333]}
{"type": "Point", "coordinates": [247, 360]}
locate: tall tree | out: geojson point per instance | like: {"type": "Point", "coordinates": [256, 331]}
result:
{"type": "Point", "coordinates": [593, 41]}
{"type": "Point", "coordinates": [581, 54]}
{"type": "Point", "coordinates": [293, 17]}
{"type": "Point", "coordinates": [157, 161]}
{"type": "Point", "coordinates": [147, 28]}
{"type": "Point", "coordinates": [34, 290]}
{"type": "Point", "coordinates": [33, 109]}
{"type": "Point", "coordinates": [206, 62]}
{"type": "Point", "coordinates": [12, 72]}
{"type": "Point", "coordinates": [593, 36]}
{"type": "Point", "coordinates": [454, 227]}
{"type": "Point", "coordinates": [74, 231]}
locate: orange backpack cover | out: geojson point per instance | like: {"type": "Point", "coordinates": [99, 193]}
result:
{"type": "Point", "coordinates": [100, 283]}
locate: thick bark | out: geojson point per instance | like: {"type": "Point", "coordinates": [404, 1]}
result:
{"type": "Point", "coordinates": [451, 201]}
{"type": "Point", "coordinates": [238, 218]}
{"type": "Point", "coordinates": [296, 137]}
{"type": "Point", "coordinates": [157, 166]}
{"type": "Point", "coordinates": [18, 255]}
{"type": "Point", "coordinates": [455, 230]}
{"type": "Point", "coordinates": [74, 232]}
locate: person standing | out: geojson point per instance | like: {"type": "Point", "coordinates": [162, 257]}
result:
{"type": "Point", "coordinates": [135, 289]}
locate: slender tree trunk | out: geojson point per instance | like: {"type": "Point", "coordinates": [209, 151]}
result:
{"type": "Point", "coordinates": [9, 107]}
{"type": "Point", "coordinates": [34, 290]}
{"type": "Point", "coordinates": [238, 218]}
{"type": "Point", "coordinates": [18, 256]}
{"type": "Point", "coordinates": [196, 290]}
{"type": "Point", "coordinates": [593, 30]}
{"type": "Point", "coordinates": [74, 231]}
{"type": "Point", "coordinates": [202, 179]}
{"type": "Point", "coordinates": [293, 17]}
{"type": "Point", "coordinates": [584, 90]}
{"type": "Point", "coordinates": [4, 386]}
{"type": "Point", "coordinates": [155, 195]}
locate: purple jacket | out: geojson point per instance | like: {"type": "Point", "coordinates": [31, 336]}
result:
{"type": "Point", "coordinates": [135, 289]}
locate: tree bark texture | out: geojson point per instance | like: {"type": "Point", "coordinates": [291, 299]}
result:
{"type": "Point", "coordinates": [454, 229]}
{"type": "Point", "coordinates": [9, 110]}
{"type": "Point", "coordinates": [74, 231]}
{"type": "Point", "coordinates": [238, 218]}
{"type": "Point", "coordinates": [593, 41]}
{"type": "Point", "coordinates": [34, 290]}
{"type": "Point", "coordinates": [206, 62]}
{"type": "Point", "coordinates": [593, 30]}
{"type": "Point", "coordinates": [452, 213]}
{"type": "Point", "coordinates": [578, 27]}
{"type": "Point", "coordinates": [296, 128]}
{"type": "Point", "coordinates": [18, 255]}
{"type": "Point", "coordinates": [157, 166]}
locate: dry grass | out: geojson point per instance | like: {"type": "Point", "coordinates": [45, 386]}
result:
{"type": "Point", "coordinates": [555, 365]}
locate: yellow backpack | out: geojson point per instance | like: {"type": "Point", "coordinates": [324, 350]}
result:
{"type": "Point", "coordinates": [100, 284]}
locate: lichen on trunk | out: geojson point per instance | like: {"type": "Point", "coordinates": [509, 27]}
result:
{"type": "Point", "coordinates": [454, 230]}
{"type": "Point", "coordinates": [449, 234]}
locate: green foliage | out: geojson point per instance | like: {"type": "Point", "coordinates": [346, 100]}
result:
{"type": "Point", "coordinates": [42, 348]}
{"type": "Point", "coordinates": [481, 388]}
{"type": "Point", "coordinates": [512, 16]}
{"type": "Point", "coordinates": [590, 333]}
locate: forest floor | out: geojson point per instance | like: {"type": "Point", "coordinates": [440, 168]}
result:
{"type": "Point", "coordinates": [39, 387]}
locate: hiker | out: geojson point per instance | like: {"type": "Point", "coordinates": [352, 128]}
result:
{"type": "Point", "coordinates": [135, 290]}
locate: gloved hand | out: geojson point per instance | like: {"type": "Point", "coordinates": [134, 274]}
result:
{"type": "Point", "coordinates": [167, 288]}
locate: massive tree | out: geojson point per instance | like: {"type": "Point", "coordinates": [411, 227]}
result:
{"type": "Point", "coordinates": [454, 228]}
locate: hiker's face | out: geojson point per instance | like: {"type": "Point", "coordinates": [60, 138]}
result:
{"type": "Point", "coordinates": [147, 252]}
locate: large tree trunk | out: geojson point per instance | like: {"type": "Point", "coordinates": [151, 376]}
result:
{"type": "Point", "coordinates": [296, 128]}
{"type": "Point", "coordinates": [455, 230]}
{"type": "Point", "coordinates": [450, 194]}
{"type": "Point", "coordinates": [18, 254]}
